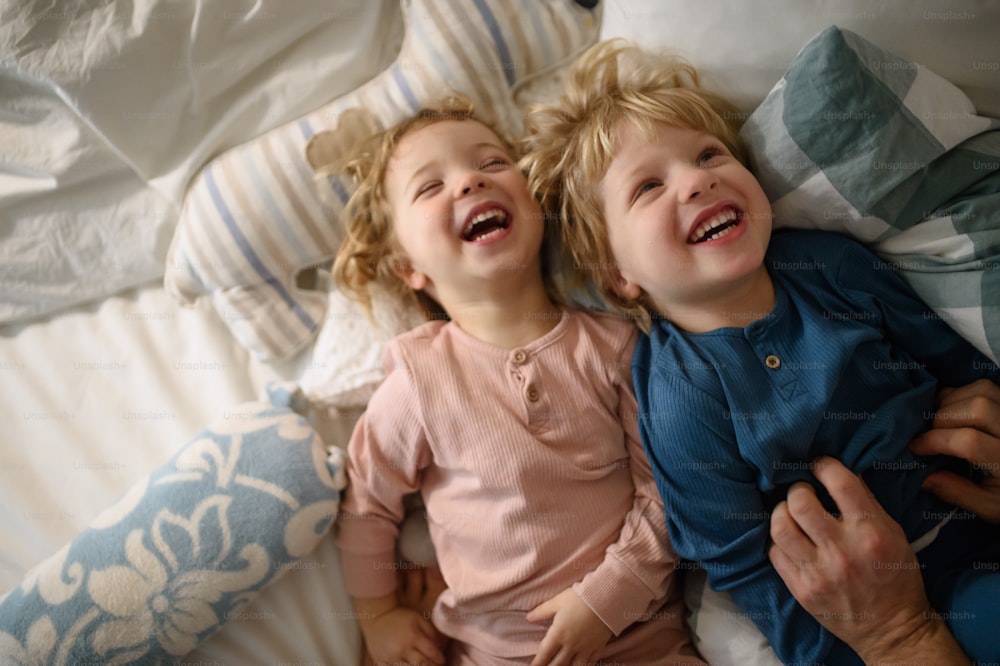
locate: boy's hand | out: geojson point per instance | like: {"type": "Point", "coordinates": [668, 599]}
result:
{"type": "Point", "coordinates": [576, 635]}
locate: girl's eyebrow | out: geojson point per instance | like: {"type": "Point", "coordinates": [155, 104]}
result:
{"type": "Point", "coordinates": [489, 144]}
{"type": "Point", "coordinates": [427, 166]}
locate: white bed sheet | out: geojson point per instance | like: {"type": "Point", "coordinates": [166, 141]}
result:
{"type": "Point", "coordinates": [108, 109]}
{"type": "Point", "coordinates": [96, 397]}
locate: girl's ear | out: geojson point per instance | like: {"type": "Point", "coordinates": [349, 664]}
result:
{"type": "Point", "coordinates": [624, 287]}
{"type": "Point", "coordinates": [411, 277]}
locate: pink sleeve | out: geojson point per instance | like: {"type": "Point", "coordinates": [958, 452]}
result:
{"type": "Point", "coordinates": [638, 569]}
{"type": "Point", "coordinates": [385, 456]}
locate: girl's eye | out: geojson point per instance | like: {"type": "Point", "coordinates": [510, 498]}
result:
{"type": "Point", "coordinates": [495, 164]}
{"type": "Point", "coordinates": [425, 188]}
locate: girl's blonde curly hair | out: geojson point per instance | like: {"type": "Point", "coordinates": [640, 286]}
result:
{"type": "Point", "coordinates": [570, 145]}
{"type": "Point", "coordinates": [369, 251]}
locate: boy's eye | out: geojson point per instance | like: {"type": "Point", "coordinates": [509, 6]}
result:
{"type": "Point", "coordinates": [645, 187]}
{"type": "Point", "coordinates": [709, 154]}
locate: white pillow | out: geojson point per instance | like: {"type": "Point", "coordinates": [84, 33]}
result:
{"type": "Point", "coordinates": [743, 48]}
{"type": "Point", "coordinates": [345, 364]}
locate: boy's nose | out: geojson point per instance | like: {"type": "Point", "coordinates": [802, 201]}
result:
{"type": "Point", "coordinates": [696, 181]}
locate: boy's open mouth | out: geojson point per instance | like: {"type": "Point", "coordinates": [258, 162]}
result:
{"type": "Point", "coordinates": [485, 223]}
{"type": "Point", "coordinates": [716, 226]}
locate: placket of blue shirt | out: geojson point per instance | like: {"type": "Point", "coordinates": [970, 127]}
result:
{"type": "Point", "coordinates": [771, 355]}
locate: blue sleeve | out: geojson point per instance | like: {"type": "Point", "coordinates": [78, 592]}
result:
{"type": "Point", "coordinates": [716, 515]}
{"type": "Point", "coordinates": [910, 323]}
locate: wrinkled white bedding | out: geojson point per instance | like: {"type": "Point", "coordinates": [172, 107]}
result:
{"type": "Point", "coordinates": [108, 109]}
{"type": "Point", "coordinates": [106, 112]}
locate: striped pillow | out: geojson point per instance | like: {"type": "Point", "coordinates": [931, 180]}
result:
{"type": "Point", "coordinates": [253, 218]}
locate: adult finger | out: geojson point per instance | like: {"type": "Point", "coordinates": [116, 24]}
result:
{"type": "Point", "coordinates": [846, 489]}
{"type": "Point", "coordinates": [975, 405]}
{"type": "Point", "coordinates": [788, 568]}
{"type": "Point", "coordinates": [976, 446]}
{"type": "Point", "coordinates": [812, 518]}
{"type": "Point", "coordinates": [788, 536]}
{"type": "Point", "coordinates": [983, 387]}
{"type": "Point", "coordinates": [983, 500]}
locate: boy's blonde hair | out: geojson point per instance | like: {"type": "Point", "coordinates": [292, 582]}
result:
{"type": "Point", "coordinates": [571, 144]}
{"type": "Point", "coordinates": [369, 251]}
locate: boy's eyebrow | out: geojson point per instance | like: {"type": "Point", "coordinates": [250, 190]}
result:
{"type": "Point", "coordinates": [625, 176]}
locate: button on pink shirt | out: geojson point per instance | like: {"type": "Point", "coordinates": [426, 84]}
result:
{"type": "Point", "coordinates": [530, 465]}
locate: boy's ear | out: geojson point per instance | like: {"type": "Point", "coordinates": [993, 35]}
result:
{"type": "Point", "coordinates": [411, 277]}
{"type": "Point", "coordinates": [624, 287]}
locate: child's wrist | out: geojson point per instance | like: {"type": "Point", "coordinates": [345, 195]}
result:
{"type": "Point", "coordinates": [370, 609]}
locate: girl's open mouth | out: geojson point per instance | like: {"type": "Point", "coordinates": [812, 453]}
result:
{"type": "Point", "coordinates": [485, 224]}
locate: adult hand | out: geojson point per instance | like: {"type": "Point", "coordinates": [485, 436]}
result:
{"type": "Point", "coordinates": [856, 574]}
{"type": "Point", "coordinates": [966, 425]}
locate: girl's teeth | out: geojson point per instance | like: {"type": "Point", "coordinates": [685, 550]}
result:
{"type": "Point", "coordinates": [485, 215]}
{"type": "Point", "coordinates": [490, 233]}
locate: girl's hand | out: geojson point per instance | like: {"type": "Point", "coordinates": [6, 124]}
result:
{"type": "Point", "coordinates": [966, 425]}
{"type": "Point", "coordinates": [402, 636]}
{"type": "Point", "coordinates": [576, 635]}
{"type": "Point", "coordinates": [420, 587]}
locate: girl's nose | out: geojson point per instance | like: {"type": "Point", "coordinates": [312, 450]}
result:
{"type": "Point", "coordinates": [472, 181]}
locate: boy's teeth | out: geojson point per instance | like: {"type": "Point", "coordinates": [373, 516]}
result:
{"type": "Point", "coordinates": [705, 227]}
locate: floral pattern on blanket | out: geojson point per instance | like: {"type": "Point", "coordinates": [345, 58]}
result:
{"type": "Point", "coordinates": [162, 569]}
